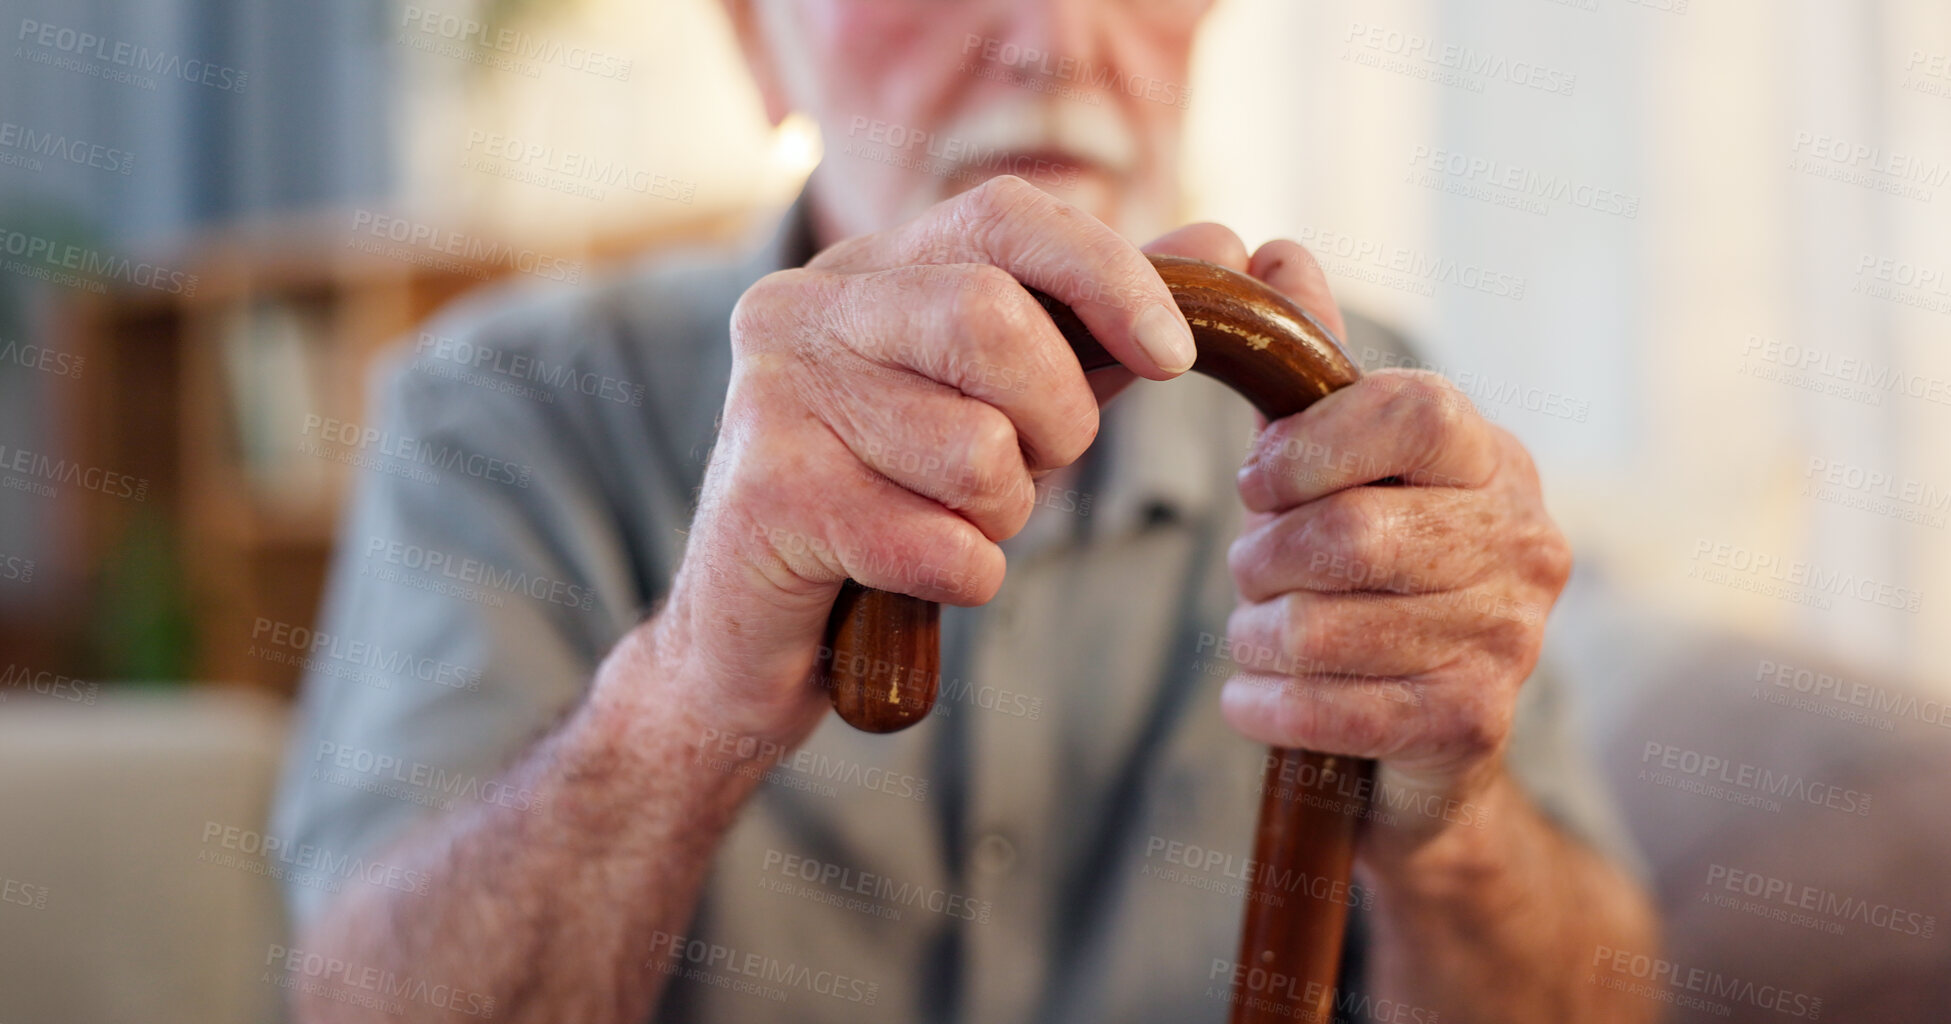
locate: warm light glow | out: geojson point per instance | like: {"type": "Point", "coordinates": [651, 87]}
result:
{"type": "Point", "coordinates": [796, 146]}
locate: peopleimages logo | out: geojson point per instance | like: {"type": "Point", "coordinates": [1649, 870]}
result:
{"type": "Point", "coordinates": [801, 768]}
{"type": "Point", "coordinates": [319, 651]}
{"type": "Point", "coordinates": [430, 245]}
{"type": "Point", "coordinates": [1838, 692]}
{"type": "Point", "coordinates": [1401, 267]}
{"type": "Point", "coordinates": [1523, 188]}
{"type": "Point", "coordinates": [438, 786]}
{"type": "Point", "coordinates": [307, 863]}
{"type": "Point", "coordinates": [15, 569]}
{"type": "Point", "coordinates": [1887, 170]}
{"type": "Point", "coordinates": [1489, 395]}
{"type": "Point", "coordinates": [515, 43]}
{"type": "Point", "coordinates": [123, 55]}
{"type": "Point", "coordinates": [526, 367]}
{"type": "Point", "coordinates": [1448, 63]}
{"type": "Point", "coordinates": [1030, 61]}
{"type": "Point", "coordinates": [20, 678]}
{"type": "Point", "coordinates": [1793, 579]}
{"type": "Point", "coordinates": [1263, 988]}
{"type": "Point", "coordinates": [407, 451]}
{"type": "Point", "coordinates": [954, 157]}
{"type": "Point", "coordinates": [1809, 906]}
{"type": "Point", "coordinates": [1712, 775]}
{"type": "Point", "coordinates": [81, 266]}
{"type": "Point", "coordinates": [47, 469]}
{"type": "Point", "coordinates": [1247, 872]}
{"type": "Point", "coordinates": [1905, 283]}
{"type": "Point", "coordinates": [346, 981]}
{"type": "Point", "coordinates": [29, 143]}
{"type": "Point", "coordinates": [1877, 491]}
{"type": "Point", "coordinates": [723, 966]}
{"type": "Point", "coordinates": [24, 894]}
{"type": "Point", "coordinates": [1829, 371]}
{"type": "Point", "coordinates": [42, 358]}
{"type": "Point", "coordinates": [887, 895]}
{"type": "Point", "coordinates": [445, 574]}
{"type": "Point", "coordinates": [1676, 983]}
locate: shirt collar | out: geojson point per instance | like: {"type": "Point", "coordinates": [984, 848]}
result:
{"type": "Point", "coordinates": [1171, 451]}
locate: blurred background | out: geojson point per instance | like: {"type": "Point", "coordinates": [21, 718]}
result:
{"type": "Point", "coordinates": [1696, 254]}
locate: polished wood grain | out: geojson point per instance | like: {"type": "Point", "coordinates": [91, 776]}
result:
{"type": "Point", "coordinates": [1298, 893]}
{"type": "Point", "coordinates": [882, 657]}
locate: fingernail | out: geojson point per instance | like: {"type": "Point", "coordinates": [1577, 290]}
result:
{"type": "Point", "coordinates": [1164, 336]}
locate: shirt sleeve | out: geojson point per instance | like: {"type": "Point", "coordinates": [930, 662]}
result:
{"type": "Point", "coordinates": [482, 572]}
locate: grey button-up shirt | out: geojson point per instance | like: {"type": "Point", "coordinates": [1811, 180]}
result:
{"type": "Point", "coordinates": [1065, 839]}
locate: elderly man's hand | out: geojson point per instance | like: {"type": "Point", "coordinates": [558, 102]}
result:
{"type": "Point", "coordinates": [1395, 569]}
{"type": "Point", "coordinates": [891, 406]}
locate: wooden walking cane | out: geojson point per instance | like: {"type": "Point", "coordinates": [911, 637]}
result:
{"type": "Point", "coordinates": [883, 655]}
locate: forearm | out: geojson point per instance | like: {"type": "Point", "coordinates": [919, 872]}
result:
{"type": "Point", "coordinates": [553, 913]}
{"type": "Point", "coordinates": [1500, 923]}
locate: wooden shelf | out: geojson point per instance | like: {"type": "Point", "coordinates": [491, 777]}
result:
{"type": "Point", "coordinates": [172, 395]}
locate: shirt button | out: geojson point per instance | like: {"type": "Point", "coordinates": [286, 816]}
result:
{"type": "Point", "coordinates": [994, 854]}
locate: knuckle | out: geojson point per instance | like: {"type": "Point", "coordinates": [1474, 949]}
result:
{"type": "Point", "coordinates": [1296, 457]}
{"type": "Point", "coordinates": [981, 297]}
{"type": "Point", "coordinates": [1555, 561]}
{"type": "Point", "coordinates": [954, 564]}
{"type": "Point", "coordinates": [1247, 560]}
{"type": "Point", "coordinates": [1010, 186]}
{"type": "Point", "coordinates": [1513, 451]}
{"type": "Point", "coordinates": [1010, 508]}
{"type": "Point", "coordinates": [1244, 560]}
{"type": "Point", "coordinates": [998, 286]}
{"type": "Point", "coordinates": [766, 307]}
{"type": "Point", "coordinates": [987, 314]}
{"type": "Point", "coordinates": [1301, 641]}
{"type": "Point", "coordinates": [1296, 718]}
{"type": "Point", "coordinates": [1346, 541]}
{"type": "Point", "coordinates": [1278, 453]}
{"type": "Point", "coordinates": [847, 252]}
{"type": "Point", "coordinates": [1507, 639]}
{"type": "Point", "coordinates": [994, 457]}
{"type": "Point", "coordinates": [998, 197]}
{"type": "Point", "coordinates": [1431, 402]}
{"type": "Point", "coordinates": [1482, 725]}
{"type": "Point", "coordinates": [987, 465]}
{"type": "Point", "coordinates": [1076, 431]}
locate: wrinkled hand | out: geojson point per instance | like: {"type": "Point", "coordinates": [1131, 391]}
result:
{"type": "Point", "coordinates": [890, 409]}
{"type": "Point", "coordinates": [1395, 569]}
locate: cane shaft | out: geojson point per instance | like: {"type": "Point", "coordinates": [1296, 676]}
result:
{"type": "Point", "coordinates": [882, 658]}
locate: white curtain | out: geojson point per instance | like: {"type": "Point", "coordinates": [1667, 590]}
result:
{"type": "Point", "coordinates": [1786, 165]}
{"type": "Point", "coordinates": [1603, 217]}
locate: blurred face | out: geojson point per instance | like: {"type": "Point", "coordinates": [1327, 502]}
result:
{"type": "Point", "coordinates": [919, 100]}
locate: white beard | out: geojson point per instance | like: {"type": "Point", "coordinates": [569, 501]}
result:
{"type": "Point", "coordinates": [1144, 205]}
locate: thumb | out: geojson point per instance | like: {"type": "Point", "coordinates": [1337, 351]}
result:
{"type": "Point", "coordinates": [1213, 243]}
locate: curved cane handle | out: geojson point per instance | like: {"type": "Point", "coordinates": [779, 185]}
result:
{"type": "Point", "coordinates": [883, 651]}
{"type": "Point", "coordinates": [882, 659]}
